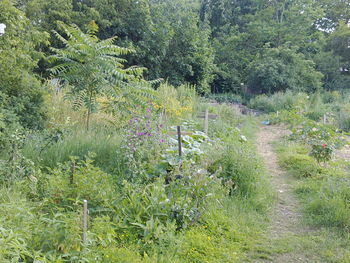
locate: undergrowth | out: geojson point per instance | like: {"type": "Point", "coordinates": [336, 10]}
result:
{"type": "Point", "coordinates": [324, 194]}
{"type": "Point", "coordinates": [145, 204]}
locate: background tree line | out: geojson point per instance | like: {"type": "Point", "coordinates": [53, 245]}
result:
{"type": "Point", "coordinates": [216, 45]}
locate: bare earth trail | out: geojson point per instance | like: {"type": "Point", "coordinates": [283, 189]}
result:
{"type": "Point", "coordinates": [285, 221]}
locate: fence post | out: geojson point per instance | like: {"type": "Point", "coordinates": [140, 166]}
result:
{"type": "Point", "coordinates": [72, 170]}
{"type": "Point", "coordinates": [206, 121]}
{"type": "Point", "coordinates": [179, 140]}
{"type": "Point", "coordinates": [85, 220]}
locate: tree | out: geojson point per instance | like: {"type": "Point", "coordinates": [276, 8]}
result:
{"type": "Point", "coordinates": [93, 68]}
{"type": "Point", "coordinates": [335, 11]}
{"type": "Point", "coordinates": [340, 44]}
{"type": "Point", "coordinates": [280, 69]}
{"type": "Point", "coordinates": [168, 36]}
{"type": "Point", "coordinates": [20, 87]}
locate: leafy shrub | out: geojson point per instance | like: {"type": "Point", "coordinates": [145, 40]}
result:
{"type": "Point", "coordinates": [144, 142]}
{"type": "Point", "coordinates": [279, 101]}
{"type": "Point", "coordinates": [292, 117]}
{"type": "Point", "coordinates": [331, 96]}
{"type": "Point", "coordinates": [282, 68]}
{"type": "Point", "coordinates": [322, 153]}
{"type": "Point", "coordinates": [192, 150]}
{"type": "Point", "coordinates": [66, 188]}
{"type": "Point", "coordinates": [322, 139]}
{"type": "Point", "coordinates": [21, 90]}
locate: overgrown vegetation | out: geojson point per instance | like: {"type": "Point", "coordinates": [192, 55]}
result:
{"type": "Point", "coordinates": [91, 97]}
{"type": "Point", "coordinates": [146, 204]}
{"type": "Point", "coordinates": [309, 153]}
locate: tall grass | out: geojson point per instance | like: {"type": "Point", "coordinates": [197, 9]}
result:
{"type": "Point", "coordinates": [106, 146]}
{"type": "Point", "coordinates": [279, 101]}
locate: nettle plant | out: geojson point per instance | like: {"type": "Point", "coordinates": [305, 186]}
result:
{"type": "Point", "coordinates": [322, 139]}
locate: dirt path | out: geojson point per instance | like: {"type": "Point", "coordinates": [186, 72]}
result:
{"type": "Point", "coordinates": [285, 215]}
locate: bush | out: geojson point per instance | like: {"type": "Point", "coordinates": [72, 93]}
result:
{"type": "Point", "coordinates": [280, 69]}
{"type": "Point", "coordinates": [279, 101]}
{"type": "Point", "coordinates": [322, 139]}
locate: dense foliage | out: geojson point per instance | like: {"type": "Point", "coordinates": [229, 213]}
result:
{"type": "Point", "coordinates": [214, 44]}
{"type": "Point", "coordinates": [93, 95]}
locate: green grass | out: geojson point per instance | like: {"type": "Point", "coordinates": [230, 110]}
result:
{"type": "Point", "coordinates": [324, 194]}
{"type": "Point", "coordinates": [296, 161]}
{"type": "Point", "coordinates": [129, 222]}
{"type": "Point", "coordinates": [78, 143]}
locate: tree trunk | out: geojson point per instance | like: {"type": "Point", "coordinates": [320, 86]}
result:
{"type": "Point", "coordinates": [88, 119]}
{"type": "Point", "coordinates": [89, 112]}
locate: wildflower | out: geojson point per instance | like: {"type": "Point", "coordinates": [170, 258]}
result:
{"type": "Point", "coordinates": [324, 145]}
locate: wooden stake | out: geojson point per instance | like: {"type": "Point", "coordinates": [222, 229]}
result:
{"type": "Point", "coordinates": [179, 140]}
{"type": "Point", "coordinates": [206, 121]}
{"type": "Point", "coordinates": [85, 219]}
{"type": "Point", "coordinates": [72, 170]}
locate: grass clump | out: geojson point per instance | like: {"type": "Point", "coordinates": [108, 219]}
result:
{"type": "Point", "coordinates": [295, 160]}
{"type": "Point", "coordinates": [326, 200]}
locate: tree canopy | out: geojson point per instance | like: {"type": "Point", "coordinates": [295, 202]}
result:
{"type": "Point", "coordinates": [216, 45]}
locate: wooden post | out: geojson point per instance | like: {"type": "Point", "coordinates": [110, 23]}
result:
{"type": "Point", "coordinates": [324, 119]}
{"type": "Point", "coordinates": [85, 219]}
{"type": "Point", "coordinates": [179, 140]}
{"type": "Point", "coordinates": [72, 170]}
{"type": "Point", "coordinates": [278, 113]}
{"type": "Point", "coordinates": [206, 121]}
